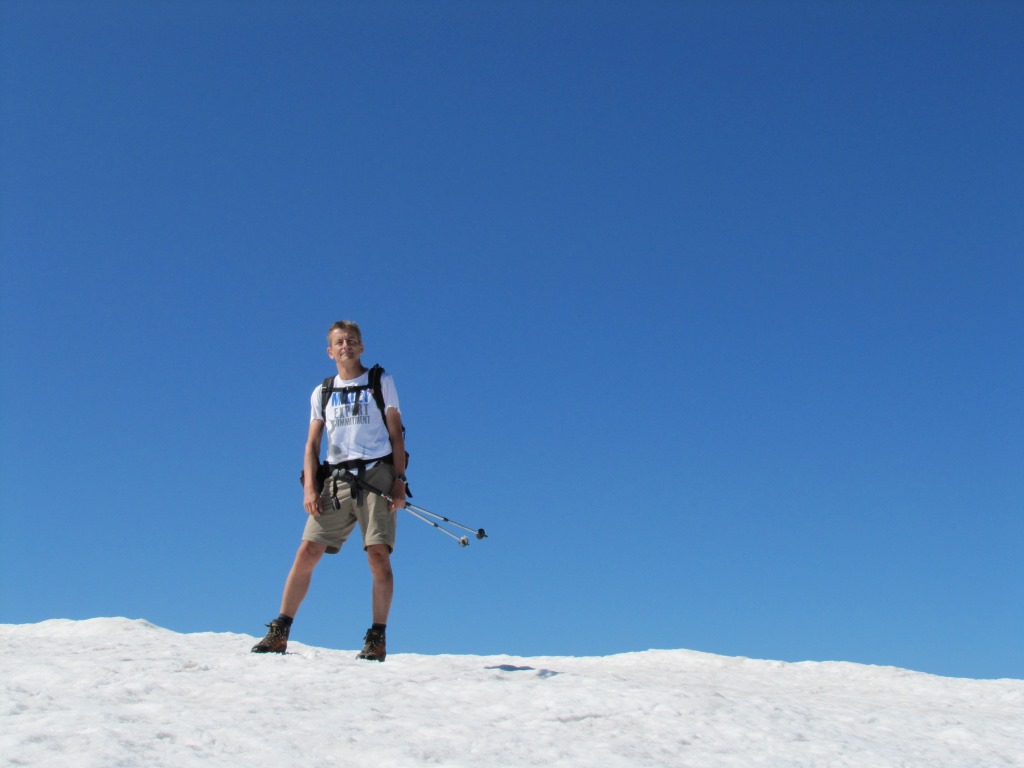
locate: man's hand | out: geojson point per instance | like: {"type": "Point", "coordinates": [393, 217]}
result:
{"type": "Point", "coordinates": [312, 502]}
{"type": "Point", "coordinates": [397, 495]}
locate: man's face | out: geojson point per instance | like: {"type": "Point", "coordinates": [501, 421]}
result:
{"type": "Point", "coordinates": [345, 345]}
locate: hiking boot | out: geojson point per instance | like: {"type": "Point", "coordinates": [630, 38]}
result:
{"type": "Point", "coordinates": [373, 646]}
{"type": "Point", "coordinates": [276, 640]}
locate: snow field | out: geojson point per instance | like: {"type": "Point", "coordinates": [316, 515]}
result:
{"type": "Point", "coordinates": [119, 692]}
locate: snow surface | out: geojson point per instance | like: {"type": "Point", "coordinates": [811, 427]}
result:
{"type": "Point", "coordinates": [120, 692]}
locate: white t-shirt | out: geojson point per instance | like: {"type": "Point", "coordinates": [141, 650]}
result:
{"type": "Point", "coordinates": [355, 436]}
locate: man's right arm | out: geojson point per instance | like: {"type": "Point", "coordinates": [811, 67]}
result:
{"type": "Point", "coordinates": [310, 465]}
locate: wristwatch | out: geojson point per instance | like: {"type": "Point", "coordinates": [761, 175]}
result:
{"type": "Point", "coordinates": [402, 478]}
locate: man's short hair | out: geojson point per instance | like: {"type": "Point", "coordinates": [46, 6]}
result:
{"type": "Point", "coordinates": [345, 325]}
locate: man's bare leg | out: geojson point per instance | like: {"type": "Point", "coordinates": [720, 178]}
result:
{"type": "Point", "coordinates": [379, 557]}
{"type": "Point", "coordinates": [300, 576]}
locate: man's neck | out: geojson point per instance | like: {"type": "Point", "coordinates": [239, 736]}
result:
{"type": "Point", "coordinates": [350, 369]}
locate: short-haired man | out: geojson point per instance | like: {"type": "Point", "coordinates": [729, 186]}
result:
{"type": "Point", "coordinates": [363, 443]}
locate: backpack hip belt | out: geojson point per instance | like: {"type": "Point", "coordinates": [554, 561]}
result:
{"type": "Point", "coordinates": [352, 472]}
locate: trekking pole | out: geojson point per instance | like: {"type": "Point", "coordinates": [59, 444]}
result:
{"type": "Point", "coordinates": [419, 513]}
{"type": "Point", "coordinates": [463, 540]}
{"type": "Point", "coordinates": [480, 534]}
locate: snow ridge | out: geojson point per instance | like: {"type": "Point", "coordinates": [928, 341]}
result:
{"type": "Point", "coordinates": [114, 691]}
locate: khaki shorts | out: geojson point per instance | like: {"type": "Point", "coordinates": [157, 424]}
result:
{"type": "Point", "coordinates": [376, 520]}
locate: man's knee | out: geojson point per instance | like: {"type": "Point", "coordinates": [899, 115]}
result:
{"type": "Point", "coordinates": [379, 557]}
{"type": "Point", "coordinates": [308, 555]}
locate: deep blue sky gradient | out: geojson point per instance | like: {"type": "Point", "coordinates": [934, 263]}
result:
{"type": "Point", "coordinates": [709, 312]}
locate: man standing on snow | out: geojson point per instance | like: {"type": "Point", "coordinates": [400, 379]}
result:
{"type": "Point", "coordinates": [365, 448]}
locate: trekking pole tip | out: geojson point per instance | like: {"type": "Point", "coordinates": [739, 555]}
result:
{"type": "Point", "coordinates": [480, 534]}
{"type": "Point", "coordinates": [464, 541]}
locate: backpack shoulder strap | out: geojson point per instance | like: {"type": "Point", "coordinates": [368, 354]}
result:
{"type": "Point", "coordinates": [373, 381]}
{"type": "Point", "coordinates": [375, 388]}
{"type": "Point", "coordinates": [325, 395]}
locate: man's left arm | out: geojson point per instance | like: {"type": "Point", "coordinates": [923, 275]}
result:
{"type": "Point", "coordinates": [393, 420]}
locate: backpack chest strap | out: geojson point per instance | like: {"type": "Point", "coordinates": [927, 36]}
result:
{"type": "Point", "coordinates": [373, 384]}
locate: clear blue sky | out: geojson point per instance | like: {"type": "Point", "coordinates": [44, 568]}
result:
{"type": "Point", "coordinates": [710, 313]}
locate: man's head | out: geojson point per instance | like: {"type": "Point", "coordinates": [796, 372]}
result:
{"type": "Point", "coordinates": [344, 341]}
{"type": "Point", "coordinates": [345, 325]}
